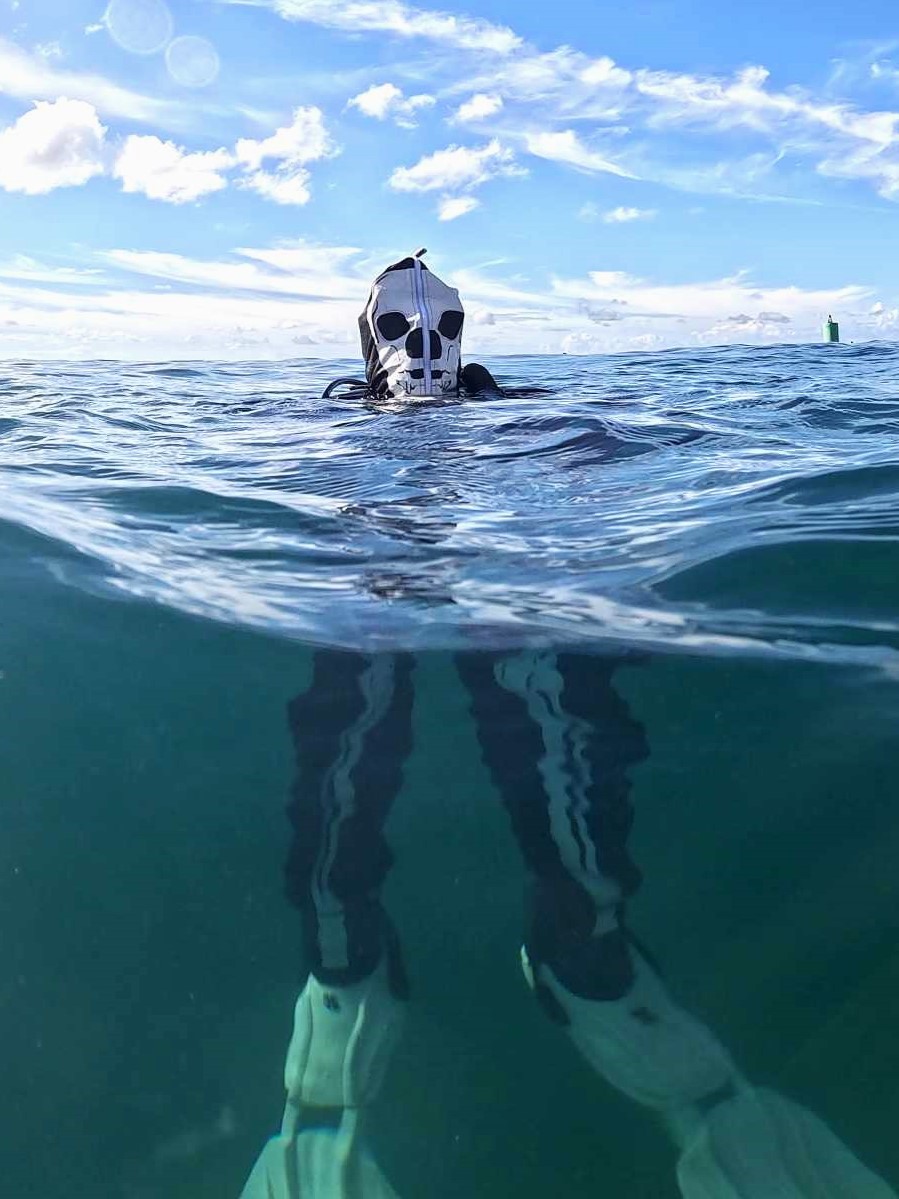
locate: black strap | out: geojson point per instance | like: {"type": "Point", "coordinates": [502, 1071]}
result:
{"type": "Point", "coordinates": [356, 386]}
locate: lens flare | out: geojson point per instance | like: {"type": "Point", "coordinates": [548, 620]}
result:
{"type": "Point", "coordinates": [139, 26]}
{"type": "Point", "coordinates": [192, 61]}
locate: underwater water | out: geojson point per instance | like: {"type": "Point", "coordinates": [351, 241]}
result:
{"type": "Point", "coordinates": [177, 542]}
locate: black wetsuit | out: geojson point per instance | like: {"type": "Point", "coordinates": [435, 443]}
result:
{"type": "Point", "coordinates": [558, 741]}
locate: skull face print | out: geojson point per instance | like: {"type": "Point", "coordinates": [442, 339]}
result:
{"type": "Point", "coordinates": [411, 332]}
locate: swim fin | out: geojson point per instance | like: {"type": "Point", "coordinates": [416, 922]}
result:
{"type": "Point", "coordinates": [342, 1041]}
{"type": "Point", "coordinates": [316, 1163]}
{"type": "Point", "coordinates": [760, 1145]}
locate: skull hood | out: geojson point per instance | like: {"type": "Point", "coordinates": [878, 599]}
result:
{"type": "Point", "coordinates": [411, 330]}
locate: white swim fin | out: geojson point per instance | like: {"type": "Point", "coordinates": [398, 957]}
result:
{"type": "Point", "coordinates": [316, 1163]}
{"type": "Point", "coordinates": [760, 1145]}
{"type": "Point", "coordinates": [341, 1045]}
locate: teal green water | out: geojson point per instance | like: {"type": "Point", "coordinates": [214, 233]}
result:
{"type": "Point", "coordinates": [174, 541]}
{"type": "Point", "coordinates": [152, 961]}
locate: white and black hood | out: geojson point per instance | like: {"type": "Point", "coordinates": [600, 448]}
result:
{"type": "Point", "coordinates": [411, 332]}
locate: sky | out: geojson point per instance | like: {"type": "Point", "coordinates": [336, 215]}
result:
{"type": "Point", "coordinates": [224, 178]}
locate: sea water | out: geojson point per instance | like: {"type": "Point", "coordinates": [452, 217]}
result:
{"type": "Point", "coordinates": [177, 540]}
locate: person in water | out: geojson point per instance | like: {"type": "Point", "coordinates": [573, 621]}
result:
{"type": "Point", "coordinates": [559, 743]}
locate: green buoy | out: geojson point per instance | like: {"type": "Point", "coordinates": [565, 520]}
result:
{"type": "Point", "coordinates": [831, 330]}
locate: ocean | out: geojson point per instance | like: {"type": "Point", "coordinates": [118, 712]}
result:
{"type": "Point", "coordinates": [181, 542]}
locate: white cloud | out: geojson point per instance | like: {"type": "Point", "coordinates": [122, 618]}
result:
{"type": "Point", "coordinates": [384, 100]}
{"type": "Point", "coordinates": [589, 212]}
{"type": "Point", "coordinates": [299, 269]}
{"type": "Point", "coordinates": [302, 258]}
{"type": "Point", "coordinates": [604, 72]}
{"type": "Point", "coordinates": [647, 107]}
{"type": "Point", "coordinates": [451, 207]}
{"type": "Point", "coordinates": [566, 147]}
{"type": "Point", "coordinates": [271, 300]}
{"type": "Point", "coordinates": [63, 144]}
{"type": "Point", "coordinates": [621, 215]}
{"type": "Point", "coordinates": [282, 187]}
{"type": "Point", "coordinates": [163, 171]}
{"type": "Point", "coordinates": [763, 326]}
{"type": "Point", "coordinates": [59, 144]}
{"type": "Point", "coordinates": [402, 20]}
{"type": "Point", "coordinates": [884, 72]}
{"type": "Point", "coordinates": [477, 108]}
{"type": "Point", "coordinates": [712, 301]}
{"type": "Point", "coordinates": [32, 77]}
{"type": "Point", "coordinates": [881, 319]}
{"type": "Point", "coordinates": [456, 168]}
{"type": "Point", "coordinates": [305, 139]}
{"type": "Point", "coordinates": [267, 301]}
{"type": "Point", "coordinates": [48, 50]}
{"type": "Point", "coordinates": [21, 266]}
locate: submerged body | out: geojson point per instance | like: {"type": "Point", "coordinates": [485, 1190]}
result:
{"type": "Point", "coordinates": [559, 743]}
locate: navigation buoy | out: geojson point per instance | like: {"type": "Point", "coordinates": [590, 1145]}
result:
{"type": "Point", "coordinates": [831, 330]}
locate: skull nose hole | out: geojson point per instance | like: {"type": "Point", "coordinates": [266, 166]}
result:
{"type": "Point", "coordinates": [436, 347]}
{"type": "Point", "coordinates": [415, 344]}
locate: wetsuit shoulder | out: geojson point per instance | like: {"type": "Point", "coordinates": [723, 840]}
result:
{"type": "Point", "coordinates": [474, 379]}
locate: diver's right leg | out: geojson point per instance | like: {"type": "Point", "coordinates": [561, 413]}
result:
{"type": "Point", "coordinates": [352, 731]}
{"type": "Point", "coordinates": [560, 744]}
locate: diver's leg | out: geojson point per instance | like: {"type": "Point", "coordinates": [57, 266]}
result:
{"type": "Point", "coordinates": [352, 731]}
{"type": "Point", "coordinates": [560, 742]}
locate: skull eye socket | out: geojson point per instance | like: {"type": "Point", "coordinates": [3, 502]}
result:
{"type": "Point", "coordinates": [450, 324]}
{"type": "Point", "coordinates": [392, 325]}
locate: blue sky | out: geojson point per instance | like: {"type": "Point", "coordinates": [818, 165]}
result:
{"type": "Point", "coordinates": [205, 178]}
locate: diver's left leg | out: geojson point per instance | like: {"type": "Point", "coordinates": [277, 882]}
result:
{"type": "Point", "coordinates": [352, 731]}
{"type": "Point", "coordinates": [560, 742]}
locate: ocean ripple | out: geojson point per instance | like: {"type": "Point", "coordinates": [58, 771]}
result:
{"type": "Point", "coordinates": [723, 501]}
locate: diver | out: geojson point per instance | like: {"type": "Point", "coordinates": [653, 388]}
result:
{"type": "Point", "coordinates": [408, 309]}
{"type": "Point", "coordinates": [559, 743]}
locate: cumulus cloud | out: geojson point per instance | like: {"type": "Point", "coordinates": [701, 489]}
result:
{"type": "Point", "coordinates": [63, 144]}
{"type": "Point", "coordinates": [604, 72]}
{"type": "Point", "coordinates": [622, 216]}
{"type": "Point", "coordinates": [163, 171]}
{"type": "Point", "coordinates": [764, 326]}
{"type": "Point", "coordinates": [456, 168]}
{"type": "Point", "coordinates": [565, 146]}
{"type": "Point", "coordinates": [716, 309]}
{"type": "Point", "coordinates": [384, 100]}
{"type": "Point", "coordinates": [305, 139]}
{"type": "Point", "coordinates": [477, 108]}
{"type": "Point", "coordinates": [58, 144]}
{"type": "Point", "coordinates": [451, 207]}
{"type": "Point", "coordinates": [881, 318]}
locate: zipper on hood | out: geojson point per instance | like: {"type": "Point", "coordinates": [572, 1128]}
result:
{"type": "Point", "coordinates": [419, 284]}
